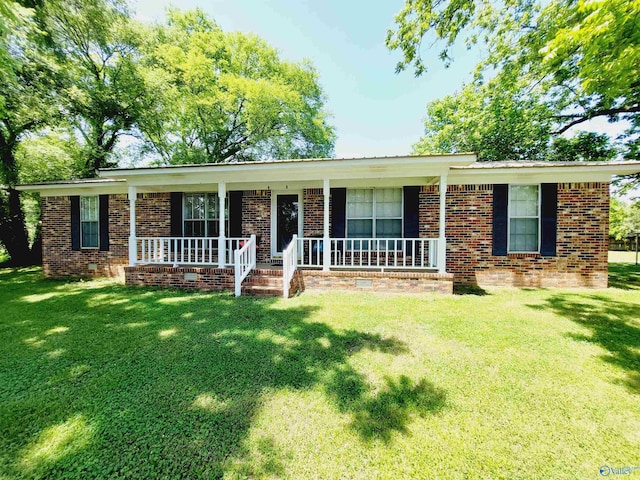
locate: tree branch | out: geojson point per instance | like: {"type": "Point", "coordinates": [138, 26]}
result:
{"type": "Point", "coordinates": [597, 113]}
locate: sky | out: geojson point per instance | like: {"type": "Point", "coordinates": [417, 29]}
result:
{"type": "Point", "coordinates": [376, 112]}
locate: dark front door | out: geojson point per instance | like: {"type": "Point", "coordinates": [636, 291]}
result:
{"type": "Point", "coordinates": [287, 225]}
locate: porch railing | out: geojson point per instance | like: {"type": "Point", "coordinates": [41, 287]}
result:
{"type": "Point", "coordinates": [289, 265]}
{"type": "Point", "coordinates": [245, 261]}
{"type": "Point", "coordinates": [374, 253]}
{"type": "Point", "coordinates": [185, 250]}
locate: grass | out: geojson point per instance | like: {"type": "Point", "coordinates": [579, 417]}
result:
{"type": "Point", "coordinates": [98, 380]}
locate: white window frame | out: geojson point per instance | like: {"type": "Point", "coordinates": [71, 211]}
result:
{"type": "Point", "coordinates": [82, 221]}
{"type": "Point", "coordinates": [374, 212]}
{"type": "Point", "coordinates": [206, 218]}
{"type": "Point", "coordinates": [539, 217]}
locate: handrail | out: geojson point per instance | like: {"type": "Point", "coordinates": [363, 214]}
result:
{"type": "Point", "coordinates": [370, 253]}
{"type": "Point", "coordinates": [289, 265]}
{"type": "Point", "coordinates": [245, 261]}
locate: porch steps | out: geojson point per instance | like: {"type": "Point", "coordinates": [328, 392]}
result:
{"type": "Point", "coordinates": [263, 283]}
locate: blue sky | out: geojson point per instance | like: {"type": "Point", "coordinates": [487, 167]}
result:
{"type": "Point", "coordinates": [375, 111]}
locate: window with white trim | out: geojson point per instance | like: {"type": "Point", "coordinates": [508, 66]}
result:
{"type": "Point", "coordinates": [201, 215]}
{"type": "Point", "coordinates": [524, 218]}
{"type": "Point", "coordinates": [89, 222]}
{"type": "Point", "coordinates": [374, 213]}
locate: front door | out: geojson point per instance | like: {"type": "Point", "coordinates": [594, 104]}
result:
{"type": "Point", "coordinates": [287, 220]}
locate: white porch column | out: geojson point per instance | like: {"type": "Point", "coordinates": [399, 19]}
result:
{"type": "Point", "coordinates": [222, 241]}
{"type": "Point", "coordinates": [133, 254]}
{"type": "Point", "coordinates": [326, 241]}
{"type": "Point", "coordinates": [442, 240]}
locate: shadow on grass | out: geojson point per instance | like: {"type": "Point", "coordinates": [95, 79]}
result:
{"type": "Point", "coordinates": [100, 380]}
{"type": "Point", "coordinates": [469, 290]}
{"type": "Point", "coordinates": [614, 326]}
{"type": "Point", "coordinates": [625, 276]}
{"type": "Point", "coordinates": [379, 414]}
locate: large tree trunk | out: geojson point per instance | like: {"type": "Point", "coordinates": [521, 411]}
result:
{"type": "Point", "coordinates": [13, 232]}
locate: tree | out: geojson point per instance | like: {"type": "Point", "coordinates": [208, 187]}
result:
{"type": "Point", "coordinates": [27, 104]}
{"type": "Point", "coordinates": [496, 124]}
{"type": "Point", "coordinates": [585, 147]}
{"type": "Point", "coordinates": [61, 63]}
{"type": "Point", "coordinates": [624, 218]}
{"type": "Point", "coordinates": [578, 58]}
{"type": "Point", "coordinates": [229, 97]}
{"type": "Point", "coordinates": [104, 93]}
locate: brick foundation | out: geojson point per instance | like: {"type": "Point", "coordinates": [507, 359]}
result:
{"type": "Point", "coordinates": [399, 282]}
{"type": "Point", "coordinates": [194, 278]}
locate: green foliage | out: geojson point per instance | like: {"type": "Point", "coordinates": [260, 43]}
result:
{"type": "Point", "coordinates": [624, 218]}
{"type": "Point", "coordinates": [228, 97]}
{"type": "Point", "coordinates": [586, 146]}
{"type": "Point", "coordinates": [483, 119]}
{"type": "Point", "coordinates": [49, 157]}
{"type": "Point", "coordinates": [104, 381]}
{"type": "Point", "coordinates": [578, 59]}
{"type": "Point", "coordinates": [103, 91]}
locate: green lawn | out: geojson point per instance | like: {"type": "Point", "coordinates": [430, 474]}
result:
{"type": "Point", "coordinates": [102, 381]}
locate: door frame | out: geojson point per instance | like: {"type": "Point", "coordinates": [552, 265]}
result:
{"type": "Point", "coordinates": [274, 217]}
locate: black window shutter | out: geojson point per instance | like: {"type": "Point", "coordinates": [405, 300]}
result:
{"type": "Point", "coordinates": [104, 222]}
{"type": "Point", "coordinates": [75, 222]}
{"type": "Point", "coordinates": [411, 212]}
{"type": "Point", "coordinates": [549, 212]}
{"type": "Point", "coordinates": [235, 214]}
{"type": "Point", "coordinates": [176, 214]}
{"type": "Point", "coordinates": [500, 202]}
{"type": "Point", "coordinates": [338, 212]}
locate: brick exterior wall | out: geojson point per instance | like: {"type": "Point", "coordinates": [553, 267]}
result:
{"type": "Point", "coordinates": [582, 238]}
{"type": "Point", "coordinates": [58, 259]}
{"type": "Point", "coordinates": [256, 219]}
{"type": "Point", "coordinates": [313, 212]}
{"type": "Point", "coordinates": [153, 215]}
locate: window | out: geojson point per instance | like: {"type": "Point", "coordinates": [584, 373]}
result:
{"type": "Point", "coordinates": [89, 215]}
{"type": "Point", "coordinates": [201, 215]}
{"type": "Point", "coordinates": [374, 213]}
{"type": "Point", "coordinates": [524, 218]}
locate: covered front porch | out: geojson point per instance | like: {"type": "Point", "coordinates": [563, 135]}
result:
{"type": "Point", "coordinates": [295, 221]}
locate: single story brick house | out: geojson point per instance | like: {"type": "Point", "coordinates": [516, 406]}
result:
{"type": "Point", "coordinates": [408, 223]}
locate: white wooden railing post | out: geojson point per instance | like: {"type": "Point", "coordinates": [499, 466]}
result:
{"type": "Point", "coordinates": [442, 240]}
{"type": "Point", "coordinates": [222, 243]}
{"type": "Point", "coordinates": [133, 254]}
{"type": "Point", "coordinates": [289, 265]}
{"type": "Point", "coordinates": [244, 262]}
{"type": "Point", "coordinates": [238, 273]}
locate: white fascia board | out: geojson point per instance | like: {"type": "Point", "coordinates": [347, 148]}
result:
{"type": "Point", "coordinates": [541, 174]}
{"type": "Point", "coordinates": [102, 187]}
